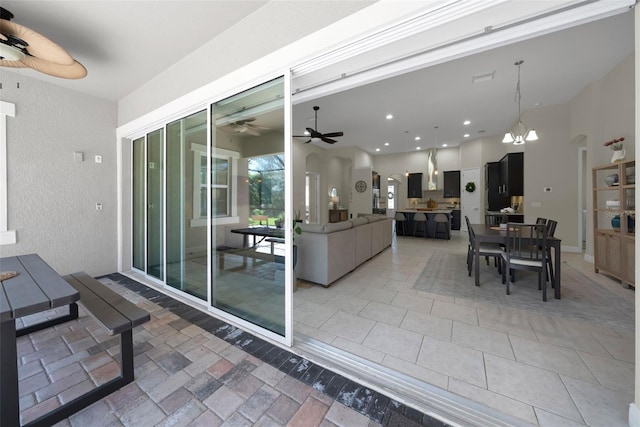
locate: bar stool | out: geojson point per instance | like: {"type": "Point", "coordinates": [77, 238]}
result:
{"type": "Point", "coordinates": [400, 218]}
{"type": "Point", "coordinates": [417, 219]}
{"type": "Point", "coordinates": [442, 220]}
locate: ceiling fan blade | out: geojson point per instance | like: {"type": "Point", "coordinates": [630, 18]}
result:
{"type": "Point", "coordinates": [328, 140]}
{"type": "Point", "coordinates": [247, 120]}
{"type": "Point", "coordinates": [38, 45]}
{"type": "Point", "coordinates": [312, 131]}
{"type": "Point", "coordinates": [74, 71]}
{"type": "Point", "coordinates": [333, 134]}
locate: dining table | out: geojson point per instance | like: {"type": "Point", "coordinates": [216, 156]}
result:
{"type": "Point", "coordinates": [495, 234]}
{"type": "Point", "coordinates": [34, 289]}
{"type": "Point", "coordinates": [258, 232]}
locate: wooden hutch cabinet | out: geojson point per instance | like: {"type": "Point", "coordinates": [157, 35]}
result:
{"type": "Point", "coordinates": [614, 220]}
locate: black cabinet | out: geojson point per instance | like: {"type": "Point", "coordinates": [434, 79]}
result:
{"type": "Point", "coordinates": [375, 180]}
{"type": "Point", "coordinates": [451, 184]}
{"type": "Point", "coordinates": [455, 219]}
{"type": "Point", "coordinates": [512, 175]}
{"type": "Point", "coordinates": [414, 186]}
{"type": "Point", "coordinates": [492, 179]}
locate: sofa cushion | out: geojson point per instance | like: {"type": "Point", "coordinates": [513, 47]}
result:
{"type": "Point", "coordinates": [373, 218]}
{"type": "Point", "coordinates": [312, 228]}
{"type": "Point", "coordinates": [359, 221]}
{"type": "Point", "coordinates": [337, 226]}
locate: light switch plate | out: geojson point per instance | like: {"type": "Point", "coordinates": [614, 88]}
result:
{"type": "Point", "coordinates": [98, 158]}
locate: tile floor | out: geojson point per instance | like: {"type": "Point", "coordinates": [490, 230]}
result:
{"type": "Point", "coordinates": [190, 370]}
{"type": "Point", "coordinates": [541, 369]}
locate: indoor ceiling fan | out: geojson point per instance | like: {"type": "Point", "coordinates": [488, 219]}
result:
{"type": "Point", "coordinates": [244, 126]}
{"type": "Point", "coordinates": [21, 47]}
{"type": "Point", "coordinates": [314, 135]}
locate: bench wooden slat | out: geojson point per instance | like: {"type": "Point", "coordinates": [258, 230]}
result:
{"type": "Point", "coordinates": [115, 322]}
{"type": "Point", "coordinates": [135, 314]}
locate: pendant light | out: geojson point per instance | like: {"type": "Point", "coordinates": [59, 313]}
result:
{"type": "Point", "coordinates": [521, 133]}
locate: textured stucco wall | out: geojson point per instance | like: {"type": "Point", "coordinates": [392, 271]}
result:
{"type": "Point", "coordinates": [51, 199]}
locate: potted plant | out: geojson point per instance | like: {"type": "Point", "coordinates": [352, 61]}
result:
{"type": "Point", "coordinates": [279, 220]}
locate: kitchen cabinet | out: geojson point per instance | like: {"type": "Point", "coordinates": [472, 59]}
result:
{"type": "Point", "coordinates": [414, 186]}
{"type": "Point", "coordinates": [495, 200]}
{"type": "Point", "coordinates": [338, 215]}
{"type": "Point", "coordinates": [614, 220]}
{"type": "Point", "coordinates": [451, 184]}
{"type": "Point", "coordinates": [455, 219]}
{"type": "Point", "coordinates": [512, 175]}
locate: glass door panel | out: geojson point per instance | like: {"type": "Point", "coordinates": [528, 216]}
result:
{"type": "Point", "coordinates": [155, 204]}
{"type": "Point", "coordinates": [247, 200]}
{"type": "Point", "coordinates": [138, 183]}
{"type": "Point", "coordinates": [186, 265]}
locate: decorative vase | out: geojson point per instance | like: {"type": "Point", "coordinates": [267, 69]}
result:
{"type": "Point", "coordinates": [618, 155]}
{"type": "Point", "coordinates": [612, 179]}
{"type": "Point", "coordinates": [615, 223]}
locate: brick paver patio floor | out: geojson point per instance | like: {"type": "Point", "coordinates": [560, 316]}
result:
{"type": "Point", "coordinates": [191, 370]}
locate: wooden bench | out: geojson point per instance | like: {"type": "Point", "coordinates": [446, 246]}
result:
{"type": "Point", "coordinates": [273, 241]}
{"type": "Point", "coordinates": [118, 316]}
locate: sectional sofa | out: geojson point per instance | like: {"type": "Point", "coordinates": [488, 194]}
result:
{"type": "Point", "coordinates": [327, 252]}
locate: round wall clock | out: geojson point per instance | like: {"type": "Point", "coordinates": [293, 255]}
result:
{"type": "Point", "coordinates": [361, 186]}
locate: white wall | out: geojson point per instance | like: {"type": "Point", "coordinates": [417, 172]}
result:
{"type": "Point", "coordinates": [51, 199]}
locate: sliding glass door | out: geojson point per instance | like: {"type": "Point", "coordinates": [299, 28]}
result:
{"type": "Point", "coordinates": [209, 215]}
{"type": "Point", "coordinates": [186, 214]}
{"type": "Point", "coordinates": [248, 206]}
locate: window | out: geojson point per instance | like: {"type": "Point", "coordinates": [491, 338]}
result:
{"type": "Point", "coordinates": [223, 171]}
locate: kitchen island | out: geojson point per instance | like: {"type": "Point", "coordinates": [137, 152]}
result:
{"type": "Point", "coordinates": [430, 226]}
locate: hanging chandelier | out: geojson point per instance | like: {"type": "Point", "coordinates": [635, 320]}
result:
{"type": "Point", "coordinates": [520, 134]}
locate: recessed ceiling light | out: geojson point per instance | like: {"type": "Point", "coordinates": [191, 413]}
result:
{"type": "Point", "coordinates": [466, 122]}
{"type": "Point", "coordinates": [377, 149]}
{"type": "Point", "coordinates": [389, 116]}
{"type": "Point", "coordinates": [417, 138]}
{"type": "Point", "coordinates": [418, 148]}
{"type": "Point", "coordinates": [466, 135]}
{"type": "Point", "coordinates": [386, 144]}
{"type": "Point", "coordinates": [444, 145]}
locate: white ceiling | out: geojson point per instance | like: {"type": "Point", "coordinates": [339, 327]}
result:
{"type": "Point", "coordinates": [124, 44]}
{"type": "Point", "coordinates": [556, 68]}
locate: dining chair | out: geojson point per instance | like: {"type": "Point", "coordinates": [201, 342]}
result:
{"type": "Point", "coordinates": [551, 230]}
{"type": "Point", "coordinates": [401, 219]}
{"type": "Point", "coordinates": [526, 249]}
{"type": "Point", "coordinates": [419, 218]}
{"type": "Point", "coordinates": [485, 249]}
{"type": "Point", "coordinates": [541, 220]}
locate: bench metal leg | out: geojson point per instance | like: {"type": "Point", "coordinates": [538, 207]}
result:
{"type": "Point", "coordinates": [9, 400]}
{"type": "Point", "coordinates": [73, 314]}
{"type": "Point", "coordinates": [79, 403]}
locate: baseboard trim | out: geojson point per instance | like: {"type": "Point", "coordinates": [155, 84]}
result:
{"type": "Point", "coordinates": [589, 258]}
{"type": "Point", "coordinates": [573, 249]}
{"type": "Point", "coordinates": [634, 415]}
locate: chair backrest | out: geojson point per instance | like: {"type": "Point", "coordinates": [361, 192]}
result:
{"type": "Point", "coordinates": [420, 217]}
{"type": "Point", "coordinates": [441, 218]}
{"type": "Point", "coordinates": [526, 241]}
{"type": "Point", "coordinates": [399, 216]}
{"type": "Point", "coordinates": [472, 236]}
{"type": "Point", "coordinates": [541, 220]}
{"type": "Point", "coordinates": [551, 227]}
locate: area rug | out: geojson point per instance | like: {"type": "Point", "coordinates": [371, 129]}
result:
{"type": "Point", "coordinates": [582, 299]}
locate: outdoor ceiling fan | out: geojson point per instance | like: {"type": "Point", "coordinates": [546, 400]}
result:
{"type": "Point", "coordinates": [314, 135]}
{"type": "Point", "coordinates": [21, 47]}
{"type": "Point", "coordinates": [244, 126]}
